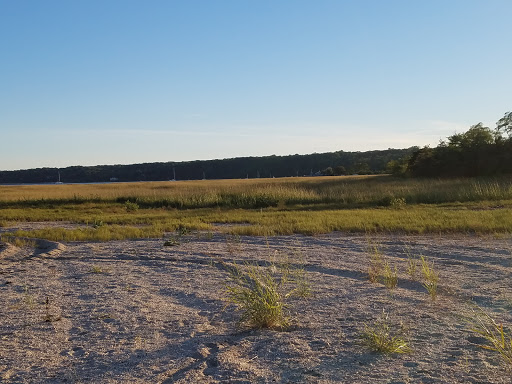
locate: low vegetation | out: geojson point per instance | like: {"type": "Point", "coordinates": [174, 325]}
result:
{"type": "Point", "coordinates": [262, 292]}
{"type": "Point", "coordinates": [264, 207]}
{"type": "Point", "coordinates": [498, 338]}
{"type": "Point", "coordinates": [430, 277]}
{"type": "Point", "coordinates": [385, 337]}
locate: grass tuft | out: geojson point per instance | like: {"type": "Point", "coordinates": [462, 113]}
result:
{"type": "Point", "coordinates": [376, 262]}
{"type": "Point", "coordinates": [261, 293]}
{"type": "Point", "coordinates": [384, 337]}
{"type": "Point", "coordinates": [389, 276]}
{"type": "Point", "coordinates": [256, 293]}
{"type": "Point", "coordinates": [412, 264]}
{"type": "Point", "coordinates": [430, 277]}
{"type": "Point", "coordinates": [498, 338]}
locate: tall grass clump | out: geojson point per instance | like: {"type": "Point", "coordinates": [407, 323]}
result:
{"type": "Point", "coordinates": [411, 263]}
{"type": "Point", "coordinates": [261, 294]}
{"type": "Point", "coordinates": [376, 262]}
{"type": "Point", "coordinates": [499, 339]}
{"type": "Point", "coordinates": [389, 276]}
{"type": "Point", "coordinates": [385, 337]}
{"type": "Point", "coordinates": [430, 277]}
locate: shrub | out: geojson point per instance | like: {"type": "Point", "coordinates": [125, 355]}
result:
{"type": "Point", "coordinates": [131, 207]}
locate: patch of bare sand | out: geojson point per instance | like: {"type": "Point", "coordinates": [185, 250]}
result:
{"type": "Point", "coordinates": [139, 312]}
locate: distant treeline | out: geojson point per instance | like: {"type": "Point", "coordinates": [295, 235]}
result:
{"type": "Point", "coordinates": [332, 163]}
{"type": "Point", "coordinates": [480, 151]}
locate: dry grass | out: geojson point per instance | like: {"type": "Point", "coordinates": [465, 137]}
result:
{"type": "Point", "coordinates": [263, 207]}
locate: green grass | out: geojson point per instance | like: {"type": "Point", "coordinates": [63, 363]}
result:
{"type": "Point", "coordinates": [264, 207]}
{"type": "Point", "coordinates": [430, 277]}
{"type": "Point", "coordinates": [261, 293]}
{"type": "Point", "coordinates": [385, 337]}
{"type": "Point", "coordinates": [389, 276]}
{"type": "Point", "coordinates": [17, 241]}
{"type": "Point", "coordinates": [257, 294]}
{"type": "Point", "coordinates": [498, 338]}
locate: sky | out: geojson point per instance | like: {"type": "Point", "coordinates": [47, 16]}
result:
{"type": "Point", "coordinates": [90, 82]}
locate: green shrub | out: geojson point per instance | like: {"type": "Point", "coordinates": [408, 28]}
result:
{"type": "Point", "coordinates": [131, 207]}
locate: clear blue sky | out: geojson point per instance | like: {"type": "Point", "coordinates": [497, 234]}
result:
{"type": "Point", "coordinates": [88, 82]}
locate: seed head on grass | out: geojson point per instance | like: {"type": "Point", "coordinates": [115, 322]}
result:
{"type": "Point", "coordinates": [383, 337]}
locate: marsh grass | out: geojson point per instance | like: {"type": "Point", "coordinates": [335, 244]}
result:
{"type": "Point", "coordinates": [412, 263]}
{"type": "Point", "coordinates": [385, 337]}
{"type": "Point", "coordinates": [18, 241]}
{"type": "Point", "coordinates": [389, 276]}
{"type": "Point", "coordinates": [257, 294]}
{"type": "Point", "coordinates": [430, 277]}
{"type": "Point", "coordinates": [96, 269]}
{"type": "Point", "coordinates": [376, 262]}
{"type": "Point", "coordinates": [498, 338]}
{"type": "Point", "coordinates": [264, 207]}
{"type": "Point", "coordinates": [262, 292]}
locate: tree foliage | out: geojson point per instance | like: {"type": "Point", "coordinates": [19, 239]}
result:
{"type": "Point", "coordinates": [269, 166]}
{"type": "Point", "coordinates": [479, 151]}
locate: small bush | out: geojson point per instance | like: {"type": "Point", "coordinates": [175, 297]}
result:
{"type": "Point", "coordinates": [397, 203]}
{"type": "Point", "coordinates": [384, 337]}
{"type": "Point", "coordinates": [131, 207]}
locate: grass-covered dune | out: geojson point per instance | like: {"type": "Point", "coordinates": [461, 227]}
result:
{"type": "Point", "coordinates": [262, 206]}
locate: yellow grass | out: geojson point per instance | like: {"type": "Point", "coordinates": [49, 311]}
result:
{"type": "Point", "coordinates": [263, 206]}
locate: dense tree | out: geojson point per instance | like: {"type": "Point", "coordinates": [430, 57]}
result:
{"type": "Point", "coordinates": [505, 123]}
{"type": "Point", "coordinates": [476, 152]}
{"type": "Point", "coordinates": [268, 166]}
{"type": "Point", "coordinates": [339, 170]}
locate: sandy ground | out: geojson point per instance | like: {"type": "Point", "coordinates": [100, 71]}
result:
{"type": "Point", "coordinates": [141, 312]}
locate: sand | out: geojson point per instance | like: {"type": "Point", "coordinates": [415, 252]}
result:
{"type": "Point", "coordinates": [137, 311]}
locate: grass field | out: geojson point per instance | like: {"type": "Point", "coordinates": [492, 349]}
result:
{"type": "Point", "coordinates": [262, 206]}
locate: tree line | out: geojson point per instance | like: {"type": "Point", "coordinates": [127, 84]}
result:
{"type": "Point", "coordinates": [480, 151]}
{"type": "Point", "coordinates": [331, 163]}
